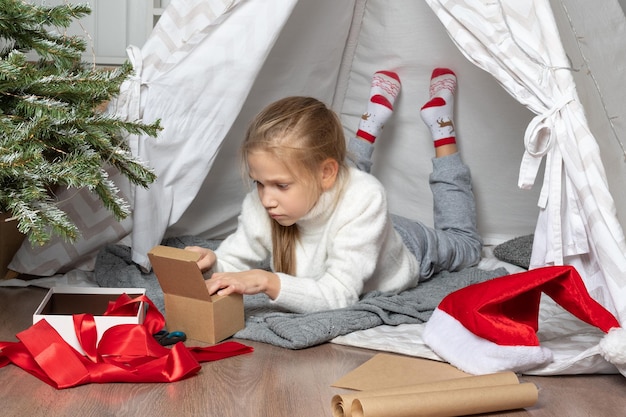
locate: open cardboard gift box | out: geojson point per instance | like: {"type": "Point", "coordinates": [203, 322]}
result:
{"type": "Point", "coordinates": [188, 306]}
{"type": "Point", "coordinates": [61, 303]}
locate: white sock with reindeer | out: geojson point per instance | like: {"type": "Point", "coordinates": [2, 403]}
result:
{"type": "Point", "coordinates": [384, 90]}
{"type": "Point", "coordinates": [438, 112]}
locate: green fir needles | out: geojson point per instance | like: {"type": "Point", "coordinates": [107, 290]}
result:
{"type": "Point", "coordinates": [51, 131]}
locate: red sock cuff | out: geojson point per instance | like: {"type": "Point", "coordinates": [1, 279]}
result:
{"type": "Point", "coordinates": [444, 141]}
{"type": "Point", "coordinates": [441, 71]}
{"type": "Point", "coordinates": [364, 135]}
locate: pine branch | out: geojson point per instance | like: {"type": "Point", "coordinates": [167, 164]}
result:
{"type": "Point", "coordinates": [26, 27]}
{"type": "Point", "coordinates": [51, 133]}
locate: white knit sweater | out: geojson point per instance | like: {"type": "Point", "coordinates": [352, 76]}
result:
{"type": "Point", "coordinates": [342, 253]}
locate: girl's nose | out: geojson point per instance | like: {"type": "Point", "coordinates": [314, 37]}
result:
{"type": "Point", "coordinates": [267, 199]}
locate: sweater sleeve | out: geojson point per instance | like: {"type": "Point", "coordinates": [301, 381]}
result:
{"type": "Point", "coordinates": [357, 232]}
{"type": "Point", "coordinates": [249, 246]}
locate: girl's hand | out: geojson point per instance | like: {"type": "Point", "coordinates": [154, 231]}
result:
{"type": "Point", "coordinates": [246, 282]}
{"type": "Point", "coordinates": [207, 257]}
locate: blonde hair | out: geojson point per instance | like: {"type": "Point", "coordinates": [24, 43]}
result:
{"type": "Point", "coordinates": [302, 132]}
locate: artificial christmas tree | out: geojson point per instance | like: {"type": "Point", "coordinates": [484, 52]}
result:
{"type": "Point", "coordinates": [52, 133]}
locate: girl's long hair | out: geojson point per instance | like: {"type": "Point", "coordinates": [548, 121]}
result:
{"type": "Point", "coordinates": [302, 132]}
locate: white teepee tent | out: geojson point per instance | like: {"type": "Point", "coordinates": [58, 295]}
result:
{"type": "Point", "coordinates": [538, 83]}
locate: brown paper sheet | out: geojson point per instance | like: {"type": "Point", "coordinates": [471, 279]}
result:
{"type": "Point", "coordinates": [342, 404]}
{"type": "Point", "coordinates": [395, 386]}
{"type": "Point", "coordinates": [386, 370]}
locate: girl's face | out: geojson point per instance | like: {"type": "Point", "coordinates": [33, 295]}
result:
{"type": "Point", "coordinates": [286, 198]}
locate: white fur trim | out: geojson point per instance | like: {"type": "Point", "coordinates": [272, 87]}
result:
{"type": "Point", "coordinates": [613, 346]}
{"type": "Point", "coordinates": [448, 338]}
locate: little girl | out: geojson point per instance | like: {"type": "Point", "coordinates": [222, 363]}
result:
{"type": "Point", "coordinates": [323, 222]}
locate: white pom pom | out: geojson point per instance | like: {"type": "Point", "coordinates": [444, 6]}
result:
{"type": "Point", "coordinates": [613, 346]}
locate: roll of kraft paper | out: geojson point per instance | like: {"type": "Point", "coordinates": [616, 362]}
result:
{"type": "Point", "coordinates": [341, 404]}
{"type": "Point", "coordinates": [451, 403]}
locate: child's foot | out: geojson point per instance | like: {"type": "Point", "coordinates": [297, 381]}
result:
{"type": "Point", "coordinates": [385, 88]}
{"type": "Point", "coordinates": [438, 112]}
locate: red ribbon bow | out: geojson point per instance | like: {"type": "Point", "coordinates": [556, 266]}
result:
{"type": "Point", "coordinates": [125, 353]}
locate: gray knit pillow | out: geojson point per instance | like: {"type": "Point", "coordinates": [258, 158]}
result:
{"type": "Point", "coordinates": [515, 251]}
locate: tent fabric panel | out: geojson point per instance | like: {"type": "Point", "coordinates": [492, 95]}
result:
{"type": "Point", "coordinates": [197, 103]}
{"type": "Point", "coordinates": [309, 66]}
{"type": "Point", "coordinates": [408, 38]}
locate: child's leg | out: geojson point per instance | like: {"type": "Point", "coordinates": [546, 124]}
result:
{"type": "Point", "coordinates": [384, 89]}
{"type": "Point", "coordinates": [360, 154]}
{"type": "Point", "coordinates": [454, 242]}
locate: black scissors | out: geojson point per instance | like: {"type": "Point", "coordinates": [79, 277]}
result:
{"type": "Point", "coordinates": [166, 338]}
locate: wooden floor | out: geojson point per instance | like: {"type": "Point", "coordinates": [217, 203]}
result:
{"type": "Point", "coordinates": [271, 381]}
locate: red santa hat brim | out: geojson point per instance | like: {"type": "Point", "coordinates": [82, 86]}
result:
{"type": "Point", "coordinates": [447, 337]}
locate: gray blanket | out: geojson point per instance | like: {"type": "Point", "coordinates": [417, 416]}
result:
{"type": "Point", "coordinates": [297, 331]}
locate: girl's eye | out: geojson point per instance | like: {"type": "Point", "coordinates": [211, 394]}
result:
{"type": "Point", "coordinates": [283, 186]}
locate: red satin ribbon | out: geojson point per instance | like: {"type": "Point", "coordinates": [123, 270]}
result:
{"type": "Point", "coordinates": [125, 353]}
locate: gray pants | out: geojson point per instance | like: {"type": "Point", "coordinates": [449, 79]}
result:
{"type": "Point", "coordinates": [454, 242]}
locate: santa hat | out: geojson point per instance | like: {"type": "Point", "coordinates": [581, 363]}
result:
{"type": "Point", "coordinates": [492, 326]}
